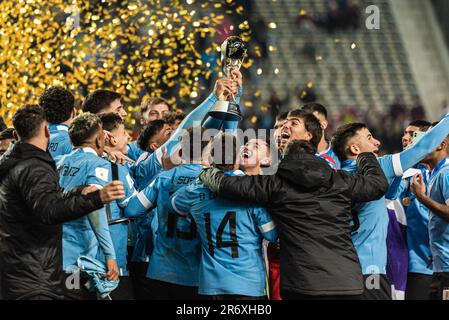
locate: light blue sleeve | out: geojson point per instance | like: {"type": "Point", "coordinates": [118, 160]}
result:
{"type": "Point", "coordinates": [128, 185]}
{"type": "Point", "coordinates": [181, 201]}
{"type": "Point", "coordinates": [397, 187]}
{"type": "Point", "coordinates": [147, 170]}
{"type": "Point", "coordinates": [99, 175]}
{"type": "Point", "coordinates": [395, 165]}
{"type": "Point", "coordinates": [143, 201]}
{"type": "Point", "coordinates": [99, 224]}
{"type": "Point", "coordinates": [445, 188]}
{"type": "Point", "coordinates": [265, 224]}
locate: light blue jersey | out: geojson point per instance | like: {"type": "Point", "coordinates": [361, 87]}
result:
{"type": "Point", "coordinates": [84, 236]}
{"type": "Point", "coordinates": [176, 255]}
{"type": "Point", "coordinates": [370, 238]}
{"type": "Point", "coordinates": [330, 154]}
{"type": "Point", "coordinates": [439, 228]}
{"type": "Point", "coordinates": [417, 227]}
{"type": "Point", "coordinates": [119, 231]}
{"type": "Point", "coordinates": [60, 143]}
{"type": "Point", "coordinates": [134, 152]}
{"type": "Point", "coordinates": [231, 239]}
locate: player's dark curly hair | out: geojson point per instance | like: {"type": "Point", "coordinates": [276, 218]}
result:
{"type": "Point", "coordinates": [84, 127]}
{"type": "Point", "coordinates": [58, 104]}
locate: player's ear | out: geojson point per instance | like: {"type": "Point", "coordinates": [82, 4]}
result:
{"type": "Point", "coordinates": [154, 146]}
{"type": "Point", "coordinates": [354, 149]}
{"type": "Point", "coordinates": [324, 124]}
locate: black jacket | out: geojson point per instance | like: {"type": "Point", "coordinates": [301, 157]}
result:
{"type": "Point", "coordinates": [311, 206]}
{"type": "Point", "coordinates": [32, 210]}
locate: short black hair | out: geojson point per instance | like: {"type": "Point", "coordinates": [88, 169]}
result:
{"type": "Point", "coordinates": [296, 147]}
{"type": "Point", "coordinates": [99, 100]}
{"type": "Point", "coordinates": [111, 121]}
{"type": "Point", "coordinates": [315, 107]}
{"type": "Point", "coordinates": [83, 128]}
{"type": "Point", "coordinates": [421, 124]}
{"type": "Point", "coordinates": [28, 120]}
{"type": "Point", "coordinates": [58, 104]}
{"type": "Point", "coordinates": [341, 137]}
{"type": "Point", "coordinates": [8, 133]}
{"type": "Point", "coordinates": [224, 151]}
{"type": "Point", "coordinates": [282, 116]}
{"type": "Point", "coordinates": [173, 116]}
{"type": "Point", "coordinates": [311, 123]}
{"type": "Point", "coordinates": [148, 132]}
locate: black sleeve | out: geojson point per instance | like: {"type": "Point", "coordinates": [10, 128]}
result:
{"type": "Point", "coordinates": [370, 183]}
{"type": "Point", "coordinates": [41, 192]}
{"type": "Point", "coordinates": [255, 189]}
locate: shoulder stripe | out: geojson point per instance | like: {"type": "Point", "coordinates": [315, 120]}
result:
{"type": "Point", "coordinates": [144, 200]}
{"type": "Point", "coordinates": [397, 166]}
{"type": "Point", "coordinates": [267, 227]}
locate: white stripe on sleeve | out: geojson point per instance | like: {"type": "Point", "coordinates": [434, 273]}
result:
{"type": "Point", "coordinates": [267, 227]}
{"type": "Point", "coordinates": [397, 166]}
{"type": "Point", "coordinates": [144, 200]}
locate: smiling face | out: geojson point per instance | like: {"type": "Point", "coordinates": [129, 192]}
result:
{"type": "Point", "coordinates": [294, 129]}
{"type": "Point", "coordinates": [154, 112]}
{"type": "Point", "coordinates": [121, 137]}
{"type": "Point", "coordinates": [362, 142]}
{"type": "Point", "coordinates": [254, 155]}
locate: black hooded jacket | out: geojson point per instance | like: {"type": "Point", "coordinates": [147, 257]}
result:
{"type": "Point", "coordinates": [311, 206]}
{"type": "Point", "coordinates": [32, 210]}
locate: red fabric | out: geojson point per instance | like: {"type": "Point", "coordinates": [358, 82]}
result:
{"type": "Point", "coordinates": [274, 272]}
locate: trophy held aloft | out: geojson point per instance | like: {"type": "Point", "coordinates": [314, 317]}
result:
{"type": "Point", "coordinates": [233, 52]}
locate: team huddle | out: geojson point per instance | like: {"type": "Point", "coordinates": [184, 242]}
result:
{"type": "Point", "coordinates": [189, 211]}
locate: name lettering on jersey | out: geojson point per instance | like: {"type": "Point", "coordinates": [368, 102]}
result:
{"type": "Point", "coordinates": [53, 146]}
{"type": "Point", "coordinates": [67, 171]}
{"type": "Point", "coordinates": [185, 180]}
{"type": "Point", "coordinates": [209, 196]}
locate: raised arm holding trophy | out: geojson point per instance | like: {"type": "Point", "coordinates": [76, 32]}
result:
{"type": "Point", "coordinates": [225, 113]}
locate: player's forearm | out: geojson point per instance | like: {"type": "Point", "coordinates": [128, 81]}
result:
{"type": "Point", "coordinates": [429, 142]}
{"type": "Point", "coordinates": [99, 224]}
{"type": "Point", "coordinates": [439, 209]}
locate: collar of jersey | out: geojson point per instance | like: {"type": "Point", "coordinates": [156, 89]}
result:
{"type": "Point", "coordinates": [441, 164]}
{"type": "Point", "coordinates": [349, 163]}
{"type": "Point", "coordinates": [89, 150]}
{"type": "Point", "coordinates": [328, 149]}
{"type": "Point", "coordinates": [60, 126]}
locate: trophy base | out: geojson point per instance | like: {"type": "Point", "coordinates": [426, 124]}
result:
{"type": "Point", "coordinates": [226, 110]}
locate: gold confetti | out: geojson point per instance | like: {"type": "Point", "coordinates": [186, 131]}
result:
{"type": "Point", "coordinates": [134, 47]}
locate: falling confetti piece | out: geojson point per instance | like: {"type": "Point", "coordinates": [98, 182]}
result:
{"type": "Point", "coordinates": [272, 25]}
{"type": "Point", "coordinates": [133, 47]}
